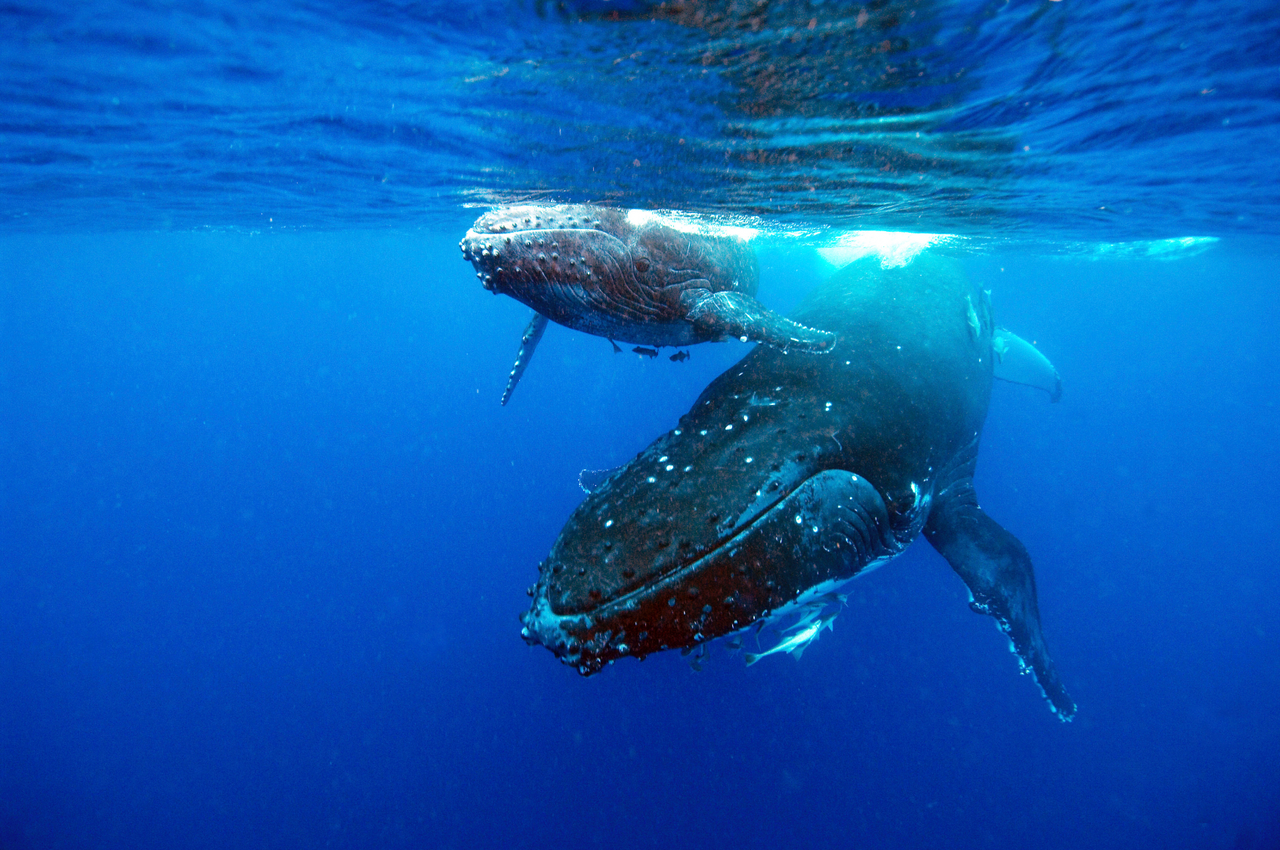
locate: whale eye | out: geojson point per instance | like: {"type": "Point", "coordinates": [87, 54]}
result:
{"type": "Point", "coordinates": [642, 265]}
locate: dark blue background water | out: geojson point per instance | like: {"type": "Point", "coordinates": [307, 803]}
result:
{"type": "Point", "coordinates": [265, 530]}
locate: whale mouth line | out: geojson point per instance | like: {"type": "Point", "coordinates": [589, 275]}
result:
{"type": "Point", "coordinates": [678, 572]}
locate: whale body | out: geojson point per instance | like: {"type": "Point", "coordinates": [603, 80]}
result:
{"type": "Point", "coordinates": [625, 276]}
{"type": "Point", "coordinates": [791, 475]}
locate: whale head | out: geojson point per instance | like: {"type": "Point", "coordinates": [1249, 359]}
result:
{"type": "Point", "coordinates": [602, 270]}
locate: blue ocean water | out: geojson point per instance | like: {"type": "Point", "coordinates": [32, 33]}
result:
{"type": "Point", "coordinates": [265, 530]}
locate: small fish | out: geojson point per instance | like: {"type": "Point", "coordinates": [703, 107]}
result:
{"type": "Point", "coordinates": [975, 325]}
{"type": "Point", "coordinates": [1000, 346]}
{"type": "Point", "coordinates": [797, 643]}
{"type": "Point", "coordinates": [679, 356]}
{"type": "Point", "coordinates": [645, 352]}
{"type": "Point", "coordinates": [818, 608]}
{"type": "Point", "coordinates": [616, 349]}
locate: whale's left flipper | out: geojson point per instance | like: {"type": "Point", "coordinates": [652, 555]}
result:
{"type": "Point", "coordinates": [996, 567]}
{"type": "Point", "coordinates": [528, 342]}
{"type": "Point", "coordinates": [1020, 362]}
{"type": "Point", "coordinates": [734, 314]}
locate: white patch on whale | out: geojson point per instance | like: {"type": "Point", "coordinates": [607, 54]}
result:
{"type": "Point", "coordinates": [894, 248]}
{"type": "Point", "coordinates": [689, 223]}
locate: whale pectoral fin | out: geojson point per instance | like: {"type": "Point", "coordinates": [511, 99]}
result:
{"type": "Point", "coordinates": [997, 569]}
{"type": "Point", "coordinates": [732, 314]}
{"type": "Point", "coordinates": [528, 342]}
{"type": "Point", "coordinates": [1020, 362]}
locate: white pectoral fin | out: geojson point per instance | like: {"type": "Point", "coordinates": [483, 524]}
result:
{"type": "Point", "coordinates": [528, 342]}
{"type": "Point", "coordinates": [726, 315]}
{"type": "Point", "coordinates": [1020, 362]}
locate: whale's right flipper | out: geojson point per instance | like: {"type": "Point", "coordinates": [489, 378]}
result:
{"type": "Point", "coordinates": [996, 567]}
{"type": "Point", "coordinates": [528, 342]}
{"type": "Point", "coordinates": [721, 315]}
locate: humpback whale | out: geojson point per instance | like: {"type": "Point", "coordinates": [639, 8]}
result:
{"type": "Point", "coordinates": [792, 475]}
{"type": "Point", "coordinates": [624, 276]}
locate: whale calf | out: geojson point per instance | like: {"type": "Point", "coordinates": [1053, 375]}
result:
{"type": "Point", "coordinates": [624, 276]}
{"type": "Point", "coordinates": [791, 475]}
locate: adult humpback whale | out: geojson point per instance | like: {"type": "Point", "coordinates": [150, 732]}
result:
{"type": "Point", "coordinates": [791, 475]}
{"type": "Point", "coordinates": [626, 276]}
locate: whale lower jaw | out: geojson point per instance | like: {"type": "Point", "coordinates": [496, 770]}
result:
{"type": "Point", "coordinates": [831, 528]}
